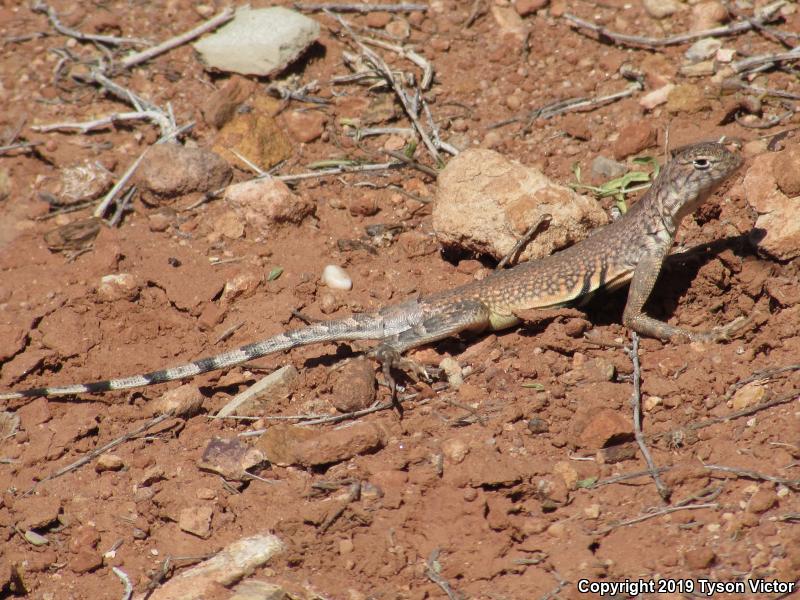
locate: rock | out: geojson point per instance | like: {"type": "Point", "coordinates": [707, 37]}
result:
{"type": "Point", "coordinates": [786, 168]}
{"type": "Point", "coordinates": [659, 9]}
{"type": "Point", "coordinates": [634, 138]}
{"type": "Point", "coordinates": [453, 372]}
{"type": "Point", "coordinates": [568, 473]}
{"type": "Point", "coordinates": [700, 69]}
{"type": "Point", "coordinates": [220, 106]}
{"type": "Point", "coordinates": [528, 7]}
{"type": "Point", "coordinates": [592, 371]}
{"type": "Point", "coordinates": [687, 98]}
{"type": "Point", "coordinates": [702, 49]}
{"type": "Point", "coordinates": [286, 445]}
{"type": "Point", "coordinates": [354, 386]}
{"type": "Point", "coordinates": [399, 29]}
{"type": "Point", "coordinates": [196, 520]}
{"type": "Point", "coordinates": [485, 201]}
{"type": "Point", "coordinates": [266, 392]}
{"type": "Point", "coordinates": [605, 168]}
{"type": "Point", "coordinates": [266, 202]}
{"type": "Point", "coordinates": [576, 126]}
{"type": "Point", "coordinates": [37, 512]}
{"type": "Point", "coordinates": [258, 41]}
{"type": "Point", "coordinates": [509, 22]}
{"type": "Point", "coordinates": [171, 170]}
{"type": "Point", "coordinates": [336, 278]}
{"type": "Point", "coordinates": [748, 395]}
{"type": "Point", "coordinates": [234, 562]}
{"type": "Point", "coordinates": [378, 19]}
{"type": "Point", "coordinates": [79, 183]}
{"type": "Point", "coordinates": [416, 244]}
{"type": "Point", "coordinates": [707, 15]}
{"type": "Point", "coordinates": [537, 426]}
{"type": "Point", "coordinates": [254, 589]}
{"type": "Point", "coordinates": [226, 225]}
{"type": "Point", "coordinates": [658, 70]}
{"type": "Point", "coordinates": [455, 450]}
{"type": "Point", "coordinates": [603, 427]}
{"type": "Point", "coordinates": [777, 227]}
{"type": "Point", "coordinates": [305, 125]}
{"type": "Point", "coordinates": [255, 135]}
{"type": "Point", "coordinates": [183, 402]}
{"type": "Point", "coordinates": [108, 462]}
{"type": "Point", "coordinates": [657, 97]}
{"type": "Point", "coordinates": [119, 286]}
{"type": "Point", "coordinates": [85, 561]}
{"type": "Point", "coordinates": [241, 285]}
{"type": "Point", "coordinates": [699, 559]}
{"type": "Point", "coordinates": [762, 501]}
{"type": "Point", "coordinates": [230, 458]}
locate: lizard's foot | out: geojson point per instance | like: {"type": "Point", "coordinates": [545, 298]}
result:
{"type": "Point", "coordinates": [724, 333]}
{"type": "Point", "coordinates": [389, 358]}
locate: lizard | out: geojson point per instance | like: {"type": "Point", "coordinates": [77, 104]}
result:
{"type": "Point", "coordinates": [628, 250]}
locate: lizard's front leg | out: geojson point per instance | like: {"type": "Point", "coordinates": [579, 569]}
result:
{"type": "Point", "coordinates": [644, 278]}
{"type": "Point", "coordinates": [442, 319]}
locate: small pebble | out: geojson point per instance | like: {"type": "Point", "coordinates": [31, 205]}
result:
{"type": "Point", "coordinates": [336, 278]}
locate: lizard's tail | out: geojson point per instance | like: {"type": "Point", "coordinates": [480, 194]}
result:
{"type": "Point", "coordinates": [373, 326]}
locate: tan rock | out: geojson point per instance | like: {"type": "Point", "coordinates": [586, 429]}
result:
{"type": "Point", "coordinates": [266, 202]}
{"type": "Point", "coordinates": [485, 202]}
{"type": "Point", "coordinates": [777, 228]}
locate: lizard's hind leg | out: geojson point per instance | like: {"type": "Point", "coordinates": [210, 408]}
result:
{"type": "Point", "coordinates": [443, 320]}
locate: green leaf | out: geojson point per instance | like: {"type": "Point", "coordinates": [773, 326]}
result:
{"type": "Point", "coordinates": [534, 386]}
{"type": "Point", "coordinates": [274, 273]}
{"type": "Point", "coordinates": [586, 483]}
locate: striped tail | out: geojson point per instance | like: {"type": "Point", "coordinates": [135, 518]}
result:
{"type": "Point", "coordinates": [373, 326]}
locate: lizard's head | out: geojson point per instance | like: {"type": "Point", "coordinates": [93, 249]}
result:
{"type": "Point", "coordinates": [693, 173]}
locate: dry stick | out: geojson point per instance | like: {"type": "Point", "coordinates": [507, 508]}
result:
{"type": "Point", "coordinates": [543, 222]}
{"type": "Point", "coordinates": [42, 7]}
{"type": "Point", "coordinates": [421, 62]}
{"type": "Point", "coordinates": [339, 171]}
{"type": "Point", "coordinates": [663, 511]}
{"type": "Point", "coordinates": [793, 484]}
{"type": "Point", "coordinates": [768, 373]}
{"type": "Point", "coordinates": [766, 15]}
{"type": "Point", "coordinates": [626, 477]}
{"type": "Point", "coordinates": [737, 84]}
{"type": "Point", "coordinates": [19, 146]}
{"type": "Point", "coordinates": [636, 402]}
{"type": "Point", "coordinates": [755, 62]}
{"type": "Point", "coordinates": [387, 74]}
{"type": "Point", "coordinates": [773, 35]}
{"type": "Point", "coordinates": [573, 104]}
{"type": "Point", "coordinates": [745, 412]}
{"type": "Point", "coordinates": [108, 121]}
{"type": "Point", "coordinates": [98, 451]}
{"type": "Point", "coordinates": [432, 573]}
{"type": "Point", "coordinates": [412, 163]}
{"type": "Point", "coordinates": [355, 494]}
{"type": "Point", "coordinates": [360, 8]}
{"type": "Point", "coordinates": [145, 55]}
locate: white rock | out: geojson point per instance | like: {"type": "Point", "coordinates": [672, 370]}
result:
{"type": "Point", "coordinates": [335, 277]}
{"type": "Point", "coordinates": [485, 202]}
{"type": "Point", "coordinates": [265, 202]}
{"type": "Point", "coordinates": [658, 9]}
{"type": "Point", "coordinates": [258, 42]}
{"type": "Point", "coordinates": [703, 49]}
{"type": "Point", "coordinates": [657, 97]}
{"type": "Point", "coordinates": [80, 183]}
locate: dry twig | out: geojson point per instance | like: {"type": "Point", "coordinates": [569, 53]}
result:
{"type": "Point", "coordinates": [767, 14]}
{"type": "Point", "coordinates": [52, 15]}
{"type": "Point", "coordinates": [636, 402]}
{"type": "Point", "coordinates": [145, 55]}
{"type": "Point", "coordinates": [359, 8]}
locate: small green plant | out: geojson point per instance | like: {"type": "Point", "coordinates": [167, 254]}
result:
{"type": "Point", "coordinates": [621, 186]}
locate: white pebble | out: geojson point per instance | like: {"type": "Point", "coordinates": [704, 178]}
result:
{"type": "Point", "coordinates": [335, 277]}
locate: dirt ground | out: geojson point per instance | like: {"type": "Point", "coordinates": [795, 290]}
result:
{"type": "Point", "coordinates": [502, 488]}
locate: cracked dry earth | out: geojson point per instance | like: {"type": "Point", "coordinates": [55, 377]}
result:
{"type": "Point", "coordinates": [496, 488]}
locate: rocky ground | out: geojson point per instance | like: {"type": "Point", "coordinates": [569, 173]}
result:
{"type": "Point", "coordinates": [514, 475]}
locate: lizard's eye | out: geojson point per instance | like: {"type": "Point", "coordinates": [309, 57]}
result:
{"type": "Point", "coordinates": [701, 163]}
